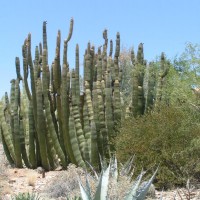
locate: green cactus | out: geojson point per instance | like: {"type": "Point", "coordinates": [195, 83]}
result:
{"type": "Point", "coordinates": [164, 69]}
{"type": "Point", "coordinates": [55, 120]}
{"type": "Point", "coordinates": [41, 134]}
{"type": "Point", "coordinates": [48, 115]}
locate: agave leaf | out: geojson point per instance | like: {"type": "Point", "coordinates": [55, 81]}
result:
{"type": "Point", "coordinates": [103, 163]}
{"type": "Point", "coordinates": [102, 188]}
{"type": "Point", "coordinates": [161, 197]}
{"type": "Point", "coordinates": [127, 166]}
{"type": "Point", "coordinates": [88, 188]}
{"type": "Point", "coordinates": [84, 194]}
{"type": "Point", "coordinates": [132, 194]}
{"type": "Point", "coordinates": [113, 168]}
{"type": "Point", "coordinates": [141, 194]}
{"type": "Point", "coordinates": [92, 168]}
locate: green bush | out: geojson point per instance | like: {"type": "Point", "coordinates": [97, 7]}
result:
{"type": "Point", "coordinates": [169, 136]}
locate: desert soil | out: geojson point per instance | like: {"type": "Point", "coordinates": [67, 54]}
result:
{"type": "Point", "coordinates": [14, 181]}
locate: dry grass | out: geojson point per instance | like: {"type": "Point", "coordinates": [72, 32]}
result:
{"type": "Point", "coordinates": [31, 179]}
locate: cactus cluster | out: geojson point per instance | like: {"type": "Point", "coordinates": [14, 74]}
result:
{"type": "Point", "coordinates": [51, 121]}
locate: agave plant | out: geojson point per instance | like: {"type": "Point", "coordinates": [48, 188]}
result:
{"type": "Point", "coordinates": [26, 196]}
{"type": "Point", "coordinates": [137, 190]}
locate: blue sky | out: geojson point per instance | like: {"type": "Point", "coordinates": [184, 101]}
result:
{"type": "Point", "coordinates": [162, 25]}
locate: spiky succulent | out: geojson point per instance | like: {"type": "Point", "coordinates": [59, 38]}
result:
{"type": "Point", "coordinates": [137, 191]}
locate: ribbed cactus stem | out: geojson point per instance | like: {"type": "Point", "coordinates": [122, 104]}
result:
{"type": "Point", "coordinates": [76, 115]}
{"type": "Point", "coordinates": [164, 69]}
{"type": "Point", "coordinates": [33, 87]}
{"type": "Point", "coordinates": [41, 134]}
{"type": "Point", "coordinates": [132, 57]}
{"type": "Point", "coordinates": [65, 53]}
{"type": "Point", "coordinates": [91, 115]}
{"type": "Point", "coordinates": [25, 68]}
{"type": "Point", "coordinates": [37, 68]}
{"type": "Point", "coordinates": [109, 118]}
{"type": "Point", "coordinates": [96, 119]}
{"type": "Point", "coordinates": [140, 54]}
{"type": "Point", "coordinates": [17, 147]}
{"type": "Point", "coordinates": [87, 133]}
{"type": "Point", "coordinates": [65, 87]}
{"type": "Point", "coordinates": [77, 72]}
{"type": "Point", "coordinates": [45, 35]}
{"type": "Point", "coordinates": [49, 119]}
{"type": "Point", "coordinates": [56, 73]}
{"type": "Point", "coordinates": [117, 48]}
{"type": "Point", "coordinates": [74, 143]}
{"type": "Point", "coordinates": [32, 137]}
{"type": "Point", "coordinates": [111, 48]}
{"type": "Point", "coordinates": [135, 94]}
{"type": "Point", "coordinates": [99, 66]}
{"type": "Point", "coordinates": [151, 87]}
{"type": "Point", "coordinates": [87, 67]}
{"type": "Point", "coordinates": [17, 64]}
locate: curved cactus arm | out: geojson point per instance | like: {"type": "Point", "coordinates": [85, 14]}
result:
{"type": "Point", "coordinates": [6, 150]}
{"type": "Point", "coordinates": [70, 30]}
{"type": "Point", "coordinates": [7, 134]}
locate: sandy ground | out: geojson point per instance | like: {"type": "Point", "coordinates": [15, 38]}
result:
{"type": "Point", "coordinates": [14, 181]}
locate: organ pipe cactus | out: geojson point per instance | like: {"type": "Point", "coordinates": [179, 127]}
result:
{"type": "Point", "coordinates": [163, 71]}
{"type": "Point", "coordinates": [54, 121]}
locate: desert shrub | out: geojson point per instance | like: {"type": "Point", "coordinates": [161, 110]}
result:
{"type": "Point", "coordinates": [66, 184]}
{"type": "Point", "coordinates": [166, 136]}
